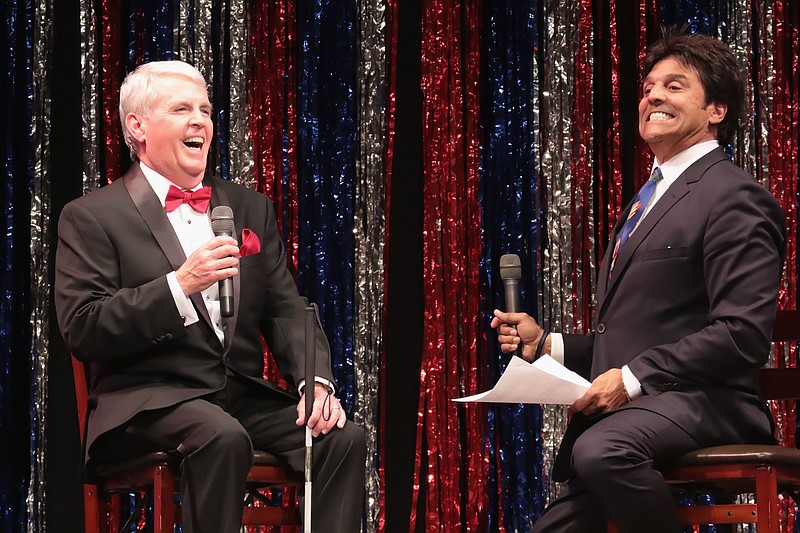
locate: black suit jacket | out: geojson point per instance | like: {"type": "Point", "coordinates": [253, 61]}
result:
{"type": "Point", "coordinates": [691, 304]}
{"type": "Point", "coordinates": [116, 311]}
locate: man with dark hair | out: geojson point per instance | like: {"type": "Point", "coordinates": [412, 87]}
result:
{"type": "Point", "coordinates": [686, 300]}
{"type": "Point", "coordinates": [136, 292]}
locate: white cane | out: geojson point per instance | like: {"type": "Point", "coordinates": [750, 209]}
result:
{"type": "Point", "coordinates": [310, 386]}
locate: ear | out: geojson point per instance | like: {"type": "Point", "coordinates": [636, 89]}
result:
{"type": "Point", "coordinates": [716, 112]}
{"type": "Point", "coordinates": [135, 125]}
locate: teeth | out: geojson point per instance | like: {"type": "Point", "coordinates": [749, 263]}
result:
{"type": "Point", "coordinates": [659, 116]}
{"type": "Point", "coordinates": [194, 142]}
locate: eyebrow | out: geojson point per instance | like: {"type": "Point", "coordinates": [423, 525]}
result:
{"type": "Point", "coordinates": [669, 77]}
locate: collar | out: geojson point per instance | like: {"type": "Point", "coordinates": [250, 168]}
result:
{"type": "Point", "coordinates": [674, 166]}
{"type": "Point", "coordinates": [159, 183]}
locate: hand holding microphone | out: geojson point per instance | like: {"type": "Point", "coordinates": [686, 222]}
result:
{"type": "Point", "coordinates": [213, 261]}
{"type": "Point", "coordinates": [222, 225]}
{"type": "Point", "coordinates": [528, 338]}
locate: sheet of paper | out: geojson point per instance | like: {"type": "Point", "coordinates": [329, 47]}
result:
{"type": "Point", "coordinates": [543, 381]}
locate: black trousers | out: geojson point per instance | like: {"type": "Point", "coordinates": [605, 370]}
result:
{"type": "Point", "coordinates": [615, 476]}
{"type": "Point", "coordinates": [217, 435]}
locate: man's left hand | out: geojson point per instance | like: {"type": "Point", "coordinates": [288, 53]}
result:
{"type": "Point", "coordinates": [606, 393]}
{"type": "Point", "coordinates": [326, 414]}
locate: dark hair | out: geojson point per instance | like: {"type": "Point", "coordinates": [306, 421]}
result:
{"type": "Point", "coordinates": [716, 65]}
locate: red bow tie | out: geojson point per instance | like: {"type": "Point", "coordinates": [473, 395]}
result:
{"type": "Point", "coordinates": [197, 200]}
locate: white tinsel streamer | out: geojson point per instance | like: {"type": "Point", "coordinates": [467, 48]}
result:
{"type": "Point", "coordinates": [40, 252]}
{"type": "Point", "coordinates": [90, 90]}
{"type": "Point", "coordinates": [369, 227]}
{"type": "Point", "coordinates": [559, 43]}
{"type": "Point", "coordinates": [184, 48]}
{"type": "Point", "coordinates": [240, 147]}
{"type": "Point", "coordinates": [741, 42]}
{"type": "Point", "coordinates": [204, 59]}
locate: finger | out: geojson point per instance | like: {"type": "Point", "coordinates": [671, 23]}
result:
{"type": "Point", "coordinates": [301, 412]}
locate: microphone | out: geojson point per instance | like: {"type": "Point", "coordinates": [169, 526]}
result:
{"type": "Point", "coordinates": [511, 273]}
{"type": "Point", "coordinates": [222, 225]}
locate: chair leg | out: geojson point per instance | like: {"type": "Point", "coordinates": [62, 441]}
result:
{"type": "Point", "coordinates": [767, 499]}
{"type": "Point", "coordinates": [91, 509]}
{"type": "Point", "coordinates": [163, 504]}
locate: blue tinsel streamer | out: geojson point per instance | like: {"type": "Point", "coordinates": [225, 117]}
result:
{"type": "Point", "coordinates": [511, 225]}
{"type": "Point", "coordinates": [327, 151]}
{"type": "Point", "coordinates": [149, 39]}
{"type": "Point", "coordinates": [17, 437]}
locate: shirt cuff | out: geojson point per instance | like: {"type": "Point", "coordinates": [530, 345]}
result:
{"type": "Point", "coordinates": [182, 302]}
{"type": "Point", "coordinates": [557, 347]}
{"type": "Point", "coordinates": [327, 383]}
{"type": "Point", "coordinates": [632, 385]}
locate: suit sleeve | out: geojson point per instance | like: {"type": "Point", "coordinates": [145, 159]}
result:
{"type": "Point", "coordinates": [743, 247]}
{"type": "Point", "coordinates": [100, 319]}
{"type": "Point", "coordinates": [578, 353]}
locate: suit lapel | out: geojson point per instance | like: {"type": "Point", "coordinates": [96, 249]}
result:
{"type": "Point", "coordinates": [218, 197]}
{"type": "Point", "coordinates": [156, 219]}
{"type": "Point", "coordinates": [676, 191]}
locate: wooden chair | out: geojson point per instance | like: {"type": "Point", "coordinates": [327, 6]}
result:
{"type": "Point", "coordinates": [158, 473]}
{"type": "Point", "coordinates": [726, 472]}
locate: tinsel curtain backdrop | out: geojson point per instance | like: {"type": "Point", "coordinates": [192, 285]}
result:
{"type": "Point", "coordinates": [528, 143]}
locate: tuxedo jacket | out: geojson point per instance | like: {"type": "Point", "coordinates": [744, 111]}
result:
{"type": "Point", "coordinates": [116, 311]}
{"type": "Point", "coordinates": [691, 303]}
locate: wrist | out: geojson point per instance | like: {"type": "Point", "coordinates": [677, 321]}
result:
{"type": "Point", "coordinates": [625, 390]}
{"type": "Point", "coordinates": [543, 346]}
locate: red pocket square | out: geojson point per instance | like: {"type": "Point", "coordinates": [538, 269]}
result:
{"type": "Point", "coordinates": [250, 243]}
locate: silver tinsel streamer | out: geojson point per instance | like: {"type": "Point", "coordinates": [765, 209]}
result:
{"type": "Point", "coordinates": [741, 43]}
{"type": "Point", "coordinates": [369, 226]}
{"type": "Point", "coordinates": [203, 58]}
{"type": "Point", "coordinates": [765, 87]}
{"type": "Point", "coordinates": [241, 149]}
{"type": "Point", "coordinates": [90, 84]}
{"type": "Point", "coordinates": [184, 48]}
{"type": "Point", "coordinates": [40, 270]}
{"type": "Point", "coordinates": [560, 41]}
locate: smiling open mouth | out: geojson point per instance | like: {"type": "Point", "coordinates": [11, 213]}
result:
{"type": "Point", "coordinates": [194, 142]}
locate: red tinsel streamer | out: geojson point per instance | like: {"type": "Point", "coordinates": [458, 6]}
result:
{"type": "Point", "coordinates": [110, 61]}
{"type": "Point", "coordinates": [391, 91]}
{"type": "Point", "coordinates": [582, 215]}
{"type": "Point", "coordinates": [473, 346]}
{"type": "Point", "coordinates": [271, 101]}
{"type": "Point", "coordinates": [271, 94]}
{"type": "Point", "coordinates": [609, 174]}
{"type": "Point", "coordinates": [451, 247]}
{"type": "Point", "coordinates": [783, 174]}
{"type": "Point", "coordinates": [648, 25]}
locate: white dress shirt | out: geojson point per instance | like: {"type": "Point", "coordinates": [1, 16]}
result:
{"type": "Point", "coordinates": [193, 229]}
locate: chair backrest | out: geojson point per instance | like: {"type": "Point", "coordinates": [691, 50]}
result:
{"type": "Point", "coordinates": [783, 383]}
{"type": "Point", "coordinates": [81, 393]}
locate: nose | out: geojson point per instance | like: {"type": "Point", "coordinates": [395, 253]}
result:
{"type": "Point", "coordinates": [197, 117]}
{"type": "Point", "coordinates": [656, 93]}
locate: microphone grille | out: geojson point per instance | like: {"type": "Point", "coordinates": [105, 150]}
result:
{"type": "Point", "coordinates": [222, 220]}
{"type": "Point", "coordinates": [510, 267]}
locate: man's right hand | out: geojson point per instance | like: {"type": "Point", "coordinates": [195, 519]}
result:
{"type": "Point", "coordinates": [215, 260]}
{"type": "Point", "coordinates": [515, 329]}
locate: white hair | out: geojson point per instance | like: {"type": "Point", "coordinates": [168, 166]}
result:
{"type": "Point", "coordinates": [140, 91]}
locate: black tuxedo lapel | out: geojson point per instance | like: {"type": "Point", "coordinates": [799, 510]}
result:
{"type": "Point", "coordinates": [153, 214]}
{"type": "Point", "coordinates": [218, 197]}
